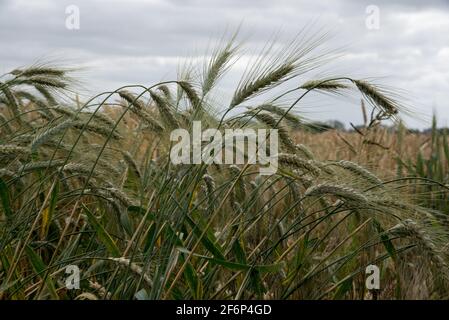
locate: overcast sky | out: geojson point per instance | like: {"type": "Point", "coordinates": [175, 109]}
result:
{"type": "Point", "coordinates": [143, 41]}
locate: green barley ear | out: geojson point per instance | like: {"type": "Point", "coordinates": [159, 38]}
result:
{"type": "Point", "coordinates": [38, 102]}
{"type": "Point", "coordinates": [46, 94]}
{"type": "Point", "coordinates": [271, 122]}
{"type": "Point", "coordinates": [31, 98]}
{"type": "Point", "coordinates": [54, 143]}
{"type": "Point", "coordinates": [10, 99]}
{"type": "Point", "coordinates": [97, 128]}
{"type": "Point", "coordinates": [218, 65]}
{"type": "Point", "coordinates": [11, 150]}
{"type": "Point", "coordinates": [261, 83]}
{"type": "Point", "coordinates": [289, 117]}
{"type": "Point", "coordinates": [48, 133]}
{"type": "Point", "coordinates": [39, 71]}
{"type": "Point", "coordinates": [240, 187]}
{"type": "Point", "coordinates": [166, 92]}
{"type": "Point", "coordinates": [304, 150]}
{"type": "Point", "coordinates": [295, 192]}
{"type": "Point", "coordinates": [149, 120]}
{"type": "Point", "coordinates": [324, 85]}
{"type": "Point", "coordinates": [41, 75]}
{"type": "Point", "coordinates": [377, 97]}
{"type": "Point", "coordinates": [46, 82]}
{"type": "Point", "coordinates": [209, 183]}
{"type": "Point", "coordinates": [100, 117]}
{"type": "Point", "coordinates": [164, 110]}
{"type": "Point", "coordinates": [338, 191]}
{"type": "Point", "coordinates": [410, 228]}
{"type": "Point", "coordinates": [121, 196]}
{"type": "Point", "coordinates": [68, 112]}
{"type": "Point", "coordinates": [7, 173]}
{"type": "Point", "coordinates": [131, 99]}
{"type": "Point", "coordinates": [271, 70]}
{"type": "Point", "coordinates": [299, 163]}
{"type": "Point", "coordinates": [40, 165]}
{"type": "Point", "coordinates": [191, 94]}
{"type": "Point", "coordinates": [358, 170]}
{"type": "Point", "coordinates": [233, 202]}
{"type": "Point", "coordinates": [138, 108]}
{"type": "Point", "coordinates": [76, 168]}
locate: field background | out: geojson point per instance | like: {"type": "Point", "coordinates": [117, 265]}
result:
{"type": "Point", "coordinates": [91, 184]}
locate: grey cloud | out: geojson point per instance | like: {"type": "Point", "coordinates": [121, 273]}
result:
{"type": "Point", "coordinates": [126, 41]}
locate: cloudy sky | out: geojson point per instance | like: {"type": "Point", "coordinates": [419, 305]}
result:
{"type": "Point", "coordinates": [143, 41]}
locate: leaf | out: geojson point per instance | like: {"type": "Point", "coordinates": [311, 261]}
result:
{"type": "Point", "coordinates": [256, 283]}
{"type": "Point", "coordinates": [385, 240]}
{"type": "Point", "coordinates": [47, 214]}
{"type": "Point", "coordinates": [4, 197]}
{"type": "Point", "coordinates": [420, 165]}
{"type": "Point", "coordinates": [39, 267]}
{"type": "Point", "coordinates": [102, 234]}
{"type": "Point", "coordinates": [343, 289]}
{"type": "Point", "coordinates": [5, 286]}
{"type": "Point", "coordinates": [141, 210]}
{"type": "Point", "coordinates": [126, 223]}
{"type": "Point", "coordinates": [189, 273]}
{"type": "Point", "coordinates": [192, 279]}
{"type": "Point", "coordinates": [239, 252]}
{"type": "Point", "coordinates": [238, 266]}
{"type": "Point", "coordinates": [150, 238]}
{"type": "Point", "coordinates": [445, 145]}
{"type": "Point", "coordinates": [207, 240]}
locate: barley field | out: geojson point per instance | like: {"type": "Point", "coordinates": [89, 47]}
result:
{"type": "Point", "coordinates": [88, 185]}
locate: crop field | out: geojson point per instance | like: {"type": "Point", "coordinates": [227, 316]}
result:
{"type": "Point", "coordinates": [92, 205]}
